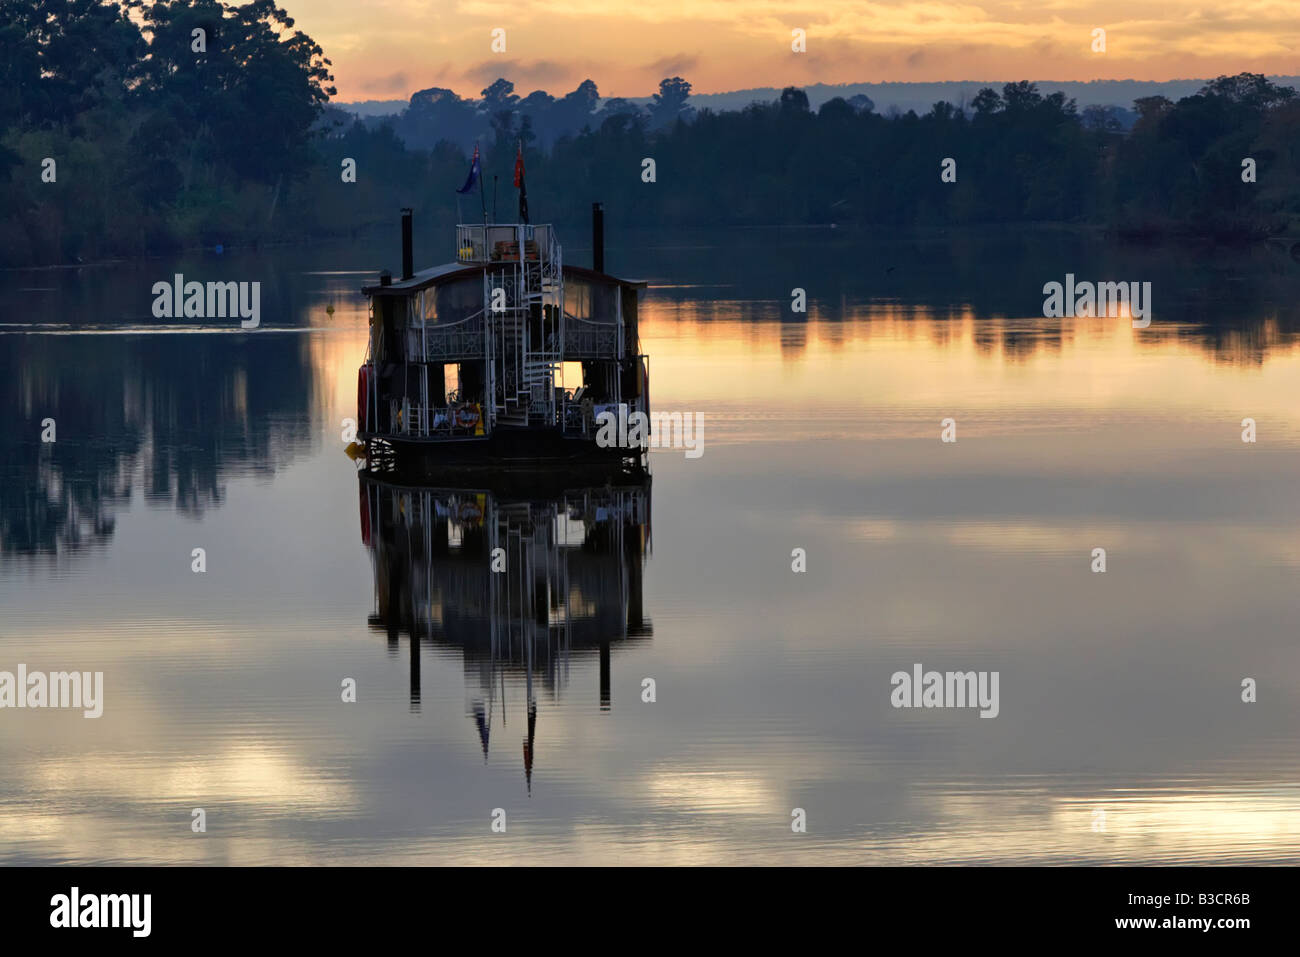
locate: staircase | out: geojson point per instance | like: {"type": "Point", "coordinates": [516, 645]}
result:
{"type": "Point", "coordinates": [539, 378]}
{"type": "Point", "coordinates": [509, 332]}
{"type": "Point", "coordinates": [523, 373]}
{"type": "Point", "coordinates": [526, 396]}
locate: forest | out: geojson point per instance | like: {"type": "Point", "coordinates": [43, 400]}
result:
{"type": "Point", "coordinates": [138, 128]}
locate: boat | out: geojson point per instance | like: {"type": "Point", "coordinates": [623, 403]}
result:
{"type": "Point", "coordinates": [503, 357]}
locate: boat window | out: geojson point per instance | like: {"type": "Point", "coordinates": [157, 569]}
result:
{"type": "Point", "coordinates": [453, 301]}
{"type": "Point", "coordinates": [590, 300]}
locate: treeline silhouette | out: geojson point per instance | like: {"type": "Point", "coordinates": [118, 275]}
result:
{"type": "Point", "coordinates": [126, 135]}
{"type": "Point", "coordinates": [175, 417]}
{"type": "Point", "coordinates": [439, 115]}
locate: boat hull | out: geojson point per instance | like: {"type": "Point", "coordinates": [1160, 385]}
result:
{"type": "Point", "coordinates": [506, 447]}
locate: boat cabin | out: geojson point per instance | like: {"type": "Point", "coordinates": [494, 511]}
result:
{"type": "Point", "coordinates": [504, 353]}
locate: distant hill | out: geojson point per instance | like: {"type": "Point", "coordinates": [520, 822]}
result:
{"type": "Point", "coordinates": [374, 107]}
{"type": "Point", "coordinates": [921, 96]}
{"type": "Point", "coordinates": [905, 96]}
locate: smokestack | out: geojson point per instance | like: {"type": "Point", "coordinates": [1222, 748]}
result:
{"type": "Point", "coordinates": [408, 255]}
{"type": "Point", "coordinates": [598, 237]}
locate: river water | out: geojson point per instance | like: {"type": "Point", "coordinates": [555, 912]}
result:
{"type": "Point", "coordinates": [1121, 733]}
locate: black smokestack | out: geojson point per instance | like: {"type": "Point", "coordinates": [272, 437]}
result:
{"type": "Point", "coordinates": [408, 254]}
{"type": "Point", "coordinates": [598, 237]}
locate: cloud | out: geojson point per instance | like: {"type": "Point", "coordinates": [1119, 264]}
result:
{"type": "Point", "coordinates": [520, 72]}
{"type": "Point", "coordinates": [392, 83]}
{"type": "Point", "coordinates": [673, 65]}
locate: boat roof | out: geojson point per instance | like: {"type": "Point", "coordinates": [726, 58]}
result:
{"type": "Point", "coordinates": [458, 270]}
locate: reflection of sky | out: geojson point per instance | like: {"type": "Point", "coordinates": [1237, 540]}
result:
{"type": "Point", "coordinates": [1118, 691]}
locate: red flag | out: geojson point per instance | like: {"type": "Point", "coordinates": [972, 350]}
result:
{"type": "Point", "coordinates": [519, 182]}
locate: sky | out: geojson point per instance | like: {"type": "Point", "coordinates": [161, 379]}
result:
{"type": "Point", "coordinates": [388, 49]}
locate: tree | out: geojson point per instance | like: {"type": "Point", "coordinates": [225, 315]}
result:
{"type": "Point", "coordinates": [670, 102]}
{"type": "Point", "coordinates": [503, 131]}
{"type": "Point", "coordinates": [63, 58]}
{"type": "Point", "coordinates": [537, 106]}
{"type": "Point", "coordinates": [837, 110]}
{"type": "Point", "coordinates": [794, 100]}
{"type": "Point", "coordinates": [1020, 97]}
{"type": "Point", "coordinates": [500, 95]}
{"type": "Point", "coordinates": [574, 111]}
{"type": "Point", "coordinates": [862, 103]}
{"type": "Point", "coordinates": [943, 112]}
{"type": "Point", "coordinates": [618, 106]}
{"type": "Point", "coordinates": [1102, 119]}
{"type": "Point", "coordinates": [436, 115]}
{"type": "Point", "coordinates": [255, 82]}
{"type": "Point", "coordinates": [986, 103]}
{"type": "Point", "coordinates": [1253, 91]}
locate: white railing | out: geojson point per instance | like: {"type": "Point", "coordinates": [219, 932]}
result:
{"type": "Point", "coordinates": [584, 339]}
{"type": "Point", "coordinates": [460, 420]}
{"type": "Point", "coordinates": [501, 243]}
{"type": "Point", "coordinates": [438, 342]}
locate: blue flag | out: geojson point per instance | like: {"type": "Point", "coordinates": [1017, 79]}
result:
{"type": "Point", "coordinates": [473, 173]}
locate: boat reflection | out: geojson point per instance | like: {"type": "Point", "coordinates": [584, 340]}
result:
{"type": "Point", "coordinates": [522, 574]}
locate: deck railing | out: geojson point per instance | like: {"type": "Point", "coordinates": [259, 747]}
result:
{"type": "Point", "coordinates": [460, 420]}
{"type": "Point", "coordinates": [452, 341]}
{"type": "Point", "coordinates": [578, 419]}
{"type": "Point", "coordinates": [497, 242]}
{"type": "Point", "coordinates": [585, 339]}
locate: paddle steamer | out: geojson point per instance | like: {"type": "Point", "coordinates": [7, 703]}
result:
{"type": "Point", "coordinates": [502, 357]}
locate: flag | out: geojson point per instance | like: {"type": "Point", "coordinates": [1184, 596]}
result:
{"type": "Point", "coordinates": [519, 183]}
{"type": "Point", "coordinates": [473, 173]}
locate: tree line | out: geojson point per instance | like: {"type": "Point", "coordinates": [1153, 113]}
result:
{"type": "Point", "coordinates": [134, 127]}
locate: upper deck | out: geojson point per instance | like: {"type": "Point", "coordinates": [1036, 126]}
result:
{"type": "Point", "coordinates": [480, 247]}
{"type": "Point", "coordinates": [498, 243]}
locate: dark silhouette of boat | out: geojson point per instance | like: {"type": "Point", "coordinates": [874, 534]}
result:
{"type": "Point", "coordinates": [505, 356]}
{"type": "Point", "coordinates": [522, 577]}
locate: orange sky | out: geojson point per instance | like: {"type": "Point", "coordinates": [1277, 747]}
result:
{"type": "Point", "coordinates": [387, 49]}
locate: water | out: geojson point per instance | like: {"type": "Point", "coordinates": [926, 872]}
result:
{"type": "Point", "coordinates": [1121, 737]}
